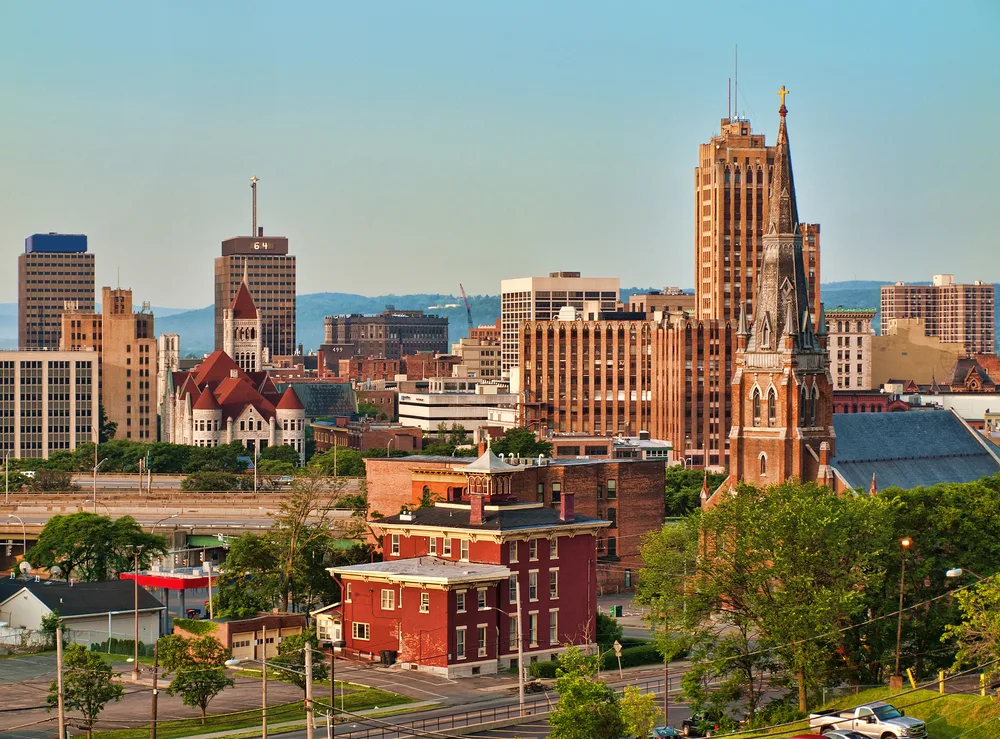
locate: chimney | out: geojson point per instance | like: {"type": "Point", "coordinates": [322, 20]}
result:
{"type": "Point", "coordinates": [566, 507]}
{"type": "Point", "coordinates": [476, 512]}
{"type": "Point", "coordinates": [824, 454]}
{"type": "Point", "coordinates": [482, 448]}
{"type": "Point", "coordinates": [260, 231]}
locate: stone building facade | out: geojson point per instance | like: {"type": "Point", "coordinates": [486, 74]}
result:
{"type": "Point", "coordinates": [850, 335]}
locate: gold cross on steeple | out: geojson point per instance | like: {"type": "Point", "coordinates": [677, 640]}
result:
{"type": "Point", "coordinates": [782, 92]}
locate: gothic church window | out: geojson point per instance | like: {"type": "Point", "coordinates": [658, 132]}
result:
{"type": "Point", "coordinates": [756, 407]}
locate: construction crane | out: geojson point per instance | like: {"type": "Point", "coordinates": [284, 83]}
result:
{"type": "Point", "coordinates": [468, 308]}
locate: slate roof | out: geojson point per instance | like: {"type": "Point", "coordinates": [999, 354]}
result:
{"type": "Point", "coordinates": [323, 398]}
{"type": "Point", "coordinates": [908, 450]}
{"type": "Point", "coordinates": [83, 598]}
{"type": "Point", "coordinates": [242, 306]}
{"type": "Point", "coordinates": [489, 462]}
{"type": "Point", "coordinates": [496, 517]}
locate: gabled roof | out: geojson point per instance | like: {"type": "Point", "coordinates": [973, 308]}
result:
{"type": "Point", "coordinates": [242, 306]}
{"type": "Point", "coordinates": [908, 450]}
{"type": "Point", "coordinates": [489, 462]}
{"type": "Point", "coordinates": [290, 401]}
{"type": "Point", "coordinates": [216, 367]}
{"type": "Point", "coordinates": [86, 598]}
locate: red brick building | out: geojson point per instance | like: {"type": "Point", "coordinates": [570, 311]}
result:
{"type": "Point", "coordinates": [424, 365]}
{"type": "Point", "coordinates": [386, 401]}
{"type": "Point", "coordinates": [445, 598]}
{"type": "Point", "coordinates": [629, 493]}
{"type": "Point", "coordinates": [369, 369]}
{"type": "Point", "coordinates": [364, 435]}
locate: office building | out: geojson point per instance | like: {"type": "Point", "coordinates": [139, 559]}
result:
{"type": "Point", "coordinates": [480, 353]}
{"type": "Point", "coordinates": [850, 344]}
{"type": "Point", "coordinates": [270, 277]}
{"type": "Point", "coordinates": [392, 334]}
{"type": "Point", "coordinates": [127, 350]}
{"type": "Point", "coordinates": [453, 402]}
{"type": "Point", "coordinates": [669, 301]}
{"type": "Point", "coordinates": [732, 185]}
{"type": "Point", "coordinates": [48, 401]}
{"type": "Point", "coordinates": [53, 270]}
{"type": "Point", "coordinates": [954, 313]}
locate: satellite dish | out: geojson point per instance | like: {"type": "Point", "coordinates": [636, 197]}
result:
{"type": "Point", "coordinates": [24, 567]}
{"type": "Point", "coordinates": [56, 570]}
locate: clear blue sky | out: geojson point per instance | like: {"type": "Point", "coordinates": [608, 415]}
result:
{"type": "Point", "coordinates": [408, 146]}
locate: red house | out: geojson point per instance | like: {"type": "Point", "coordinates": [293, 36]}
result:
{"type": "Point", "coordinates": [445, 598]}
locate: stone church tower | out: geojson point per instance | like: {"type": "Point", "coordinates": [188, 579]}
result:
{"type": "Point", "coordinates": [781, 390]}
{"type": "Point", "coordinates": [242, 330]}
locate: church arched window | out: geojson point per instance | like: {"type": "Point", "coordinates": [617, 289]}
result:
{"type": "Point", "coordinates": [772, 407]}
{"type": "Point", "coordinates": [815, 402]}
{"type": "Point", "coordinates": [763, 464]}
{"type": "Point", "coordinates": [756, 407]}
{"type": "Point", "coordinates": [803, 405]}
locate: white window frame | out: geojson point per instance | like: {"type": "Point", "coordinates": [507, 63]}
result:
{"type": "Point", "coordinates": [532, 585]}
{"type": "Point", "coordinates": [356, 627]}
{"type": "Point", "coordinates": [481, 639]}
{"type": "Point", "coordinates": [446, 546]}
{"type": "Point", "coordinates": [553, 626]}
{"type": "Point", "coordinates": [512, 639]}
{"type": "Point", "coordinates": [432, 545]}
{"type": "Point", "coordinates": [394, 545]}
{"type": "Point", "coordinates": [387, 596]}
{"type": "Point", "coordinates": [533, 550]}
{"type": "Point", "coordinates": [463, 550]}
{"type": "Point", "coordinates": [532, 628]}
{"type": "Point", "coordinates": [512, 588]}
{"type": "Point", "coordinates": [554, 547]}
{"type": "Point", "coordinates": [481, 599]}
{"type": "Point", "coordinates": [460, 644]}
{"type": "Point", "coordinates": [512, 550]}
{"type": "Point", "coordinates": [554, 583]}
{"type": "Point", "coordinates": [460, 601]}
{"type": "Point", "coordinates": [425, 602]}
{"type": "Point", "coordinates": [347, 592]}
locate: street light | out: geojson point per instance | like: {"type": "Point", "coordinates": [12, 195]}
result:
{"type": "Point", "coordinates": [959, 571]}
{"type": "Point", "coordinates": [24, 536]}
{"type": "Point", "coordinates": [97, 503]}
{"type": "Point", "coordinates": [136, 550]}
{"type": "Point", "coordinates": [97, 466]}
{"type": "Point", "coordinates": [388, 444]}
{"type": "Point", "coordinates": [6, 477]}
{"type": "Point", "coordinates": [905, 543]}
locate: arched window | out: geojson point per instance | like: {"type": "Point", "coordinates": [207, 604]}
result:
{"type": "Point", "coordinates": [772, 407]}
{"type": "Point", "coordinates": [803, 405]}
{"type": "Point", "coordinates": [840, 327]}
{"type": "Point", "coordinates": [864, 408]}
{"type": "Point", "coordinates": [815, 402]}
{"type": "Point", "coordinates": [860, 329]}
{"type": "Point", "coordinates": [763, 464]}
{"type": "Point", "coordinates": [766, 333]}
{"type": "Point", "coordinates": [756, 407]}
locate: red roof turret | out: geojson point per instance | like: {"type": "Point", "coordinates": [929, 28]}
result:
{"type": "Point", "coordinates": [242, 306]}
{"type": "Point", "coordinates": [290, 401]}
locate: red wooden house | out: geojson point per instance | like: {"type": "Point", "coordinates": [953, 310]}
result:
{"type": "Point", "coordinates": [445, 598]}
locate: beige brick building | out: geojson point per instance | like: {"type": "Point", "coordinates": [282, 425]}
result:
{"type": "Point", "coordinates": [53, 270]}
{"type": "Point", "coordinates": [850, 347]}
{"type": "Point", "coordinates": [905, 351]}
{"type": "Point", "coordinates": [955, 313]}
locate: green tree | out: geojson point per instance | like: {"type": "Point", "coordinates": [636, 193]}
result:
{"type": "Point", "coordinates": [248, 584]}
{"type": "Point", "coordinates": [639, 712]}
{"type": "Point", "coordinates": [48, 626]}
{"type": "Point", "coordinates": [274, 468]}
{"type": "Point", "coordinates": [978, 634]}
{"type": "Point", "coordinates": [608, 631]}
{"type": "Point", "coordinates": [349, 463]}
{"type": "Point", "coordinates": [91, 547]}
{"type": "Point", "coordinates": [52, 481]}
{"type": "Point", "coordinates": [106, 429]}
{"type": "Point", "coordinates": [172, 652]}
{"type": "Point", "coordinates": [522, 443]}
{"type": "Point", "coordinates": [280, 453]}
{"type": "Point", "coordinates": [211, 481]}
{"type": "Point", "coordinates": [683, 488]}
{"type": "Point", "coordinates": [201, 674]}
{"type": "Point", "coordinates": [587, 708]}
{"type": "Point", "coordinates": [291, 654]}
{"type": "Point", "coordinates": [88, 685]}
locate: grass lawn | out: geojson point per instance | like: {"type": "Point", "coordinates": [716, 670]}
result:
{"type": "Point", "coordinates": [359, 698]}
{"type": "Point", "coordinates": [947, 716]}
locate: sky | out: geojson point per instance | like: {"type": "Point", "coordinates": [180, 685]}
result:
{"type": "Point", "coordinates": [406, 147]}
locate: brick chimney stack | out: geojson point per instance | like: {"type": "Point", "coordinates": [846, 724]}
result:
{"type": "Point", "coordinates": [476, 512]}
{"type": "Point", "coordinates": [566, 507]}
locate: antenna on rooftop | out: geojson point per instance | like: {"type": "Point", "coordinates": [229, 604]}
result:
{"type": "Point", "coordinates": [729, 98]}
{"type": "Point", "coordinates": [736, 79]}
{"type": "Point", "coordinates": [253, 198]}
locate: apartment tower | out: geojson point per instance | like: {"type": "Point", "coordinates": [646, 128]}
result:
{"type": "Point", "coordinates": [732, 185]}
{"type": "Point", "coordinates": [954, 313]}
{"type": "Point", "coordinates": [850, 341]}
{"type": "Point", "coordinates": [270, 272]}
{"type": "Point", "coordinates": [54, 268]}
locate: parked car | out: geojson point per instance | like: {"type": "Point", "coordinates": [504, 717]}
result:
{"type": "Point", "coordinates": [664, 732]}
{"type": "Point", "coordinates": [877, 720]}
{"type": "Point", "coordinates": [702, 723]}
{"type": "Point", "coordinates": [832, 734]}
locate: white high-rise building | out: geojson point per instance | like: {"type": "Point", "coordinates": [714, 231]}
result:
{"type": "Point", "coordinates": [540, 298]}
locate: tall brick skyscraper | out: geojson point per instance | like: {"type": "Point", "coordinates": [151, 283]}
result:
{"type": "Point", "coordinates": [781, 389]}
{"type": "Point", "coordinates": [54, 270]}
{"type": "Point", "coordinates": [270, 274]}
{"type": "Point", "coordinates": [732, 199]}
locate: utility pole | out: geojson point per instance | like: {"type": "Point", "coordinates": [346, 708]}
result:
{"type": "Point", "coordinates": [135, 591]}
{"type": "Point", "coordinates": [309, 691]}
{"type": "Point", "coordinates": [666, 674]}
{"type": "Point", "coordinates": [156, 666]}
{"type": "Point", "coordinates": [520, 649]}
{"type": "Point", "coordinates": [263, 683]}
{"type": "Point", "coordinates": [333, 681]}
{"type": "Point", "coordinates": [59, 683]}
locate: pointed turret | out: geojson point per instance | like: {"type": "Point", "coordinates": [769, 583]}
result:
{"type": "Point", "coordinates": [743, 329]}
{"type": "Point", "coordinates": [783, 214]}
{"type": "Point", "coordinates": [873, 488]}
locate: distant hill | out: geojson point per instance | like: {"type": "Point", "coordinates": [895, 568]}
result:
{"type": "Point", "coordinates": [196, 327]}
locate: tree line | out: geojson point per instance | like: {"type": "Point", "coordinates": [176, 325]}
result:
{"type": "Point", "coordinates": [795, 587]}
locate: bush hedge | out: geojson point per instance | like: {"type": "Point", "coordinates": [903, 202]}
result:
{"type": "Point", "coordinates": [195, 626]}
{"type": "Point", "coordinates": [545, 669]}
{"type": "Point", "coordinates": [632, 656]}
{"type": "Point", "coordinates": [122, 647]}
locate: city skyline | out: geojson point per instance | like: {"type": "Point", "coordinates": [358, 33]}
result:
{"type": "Point", "coordinates": [529, 139]}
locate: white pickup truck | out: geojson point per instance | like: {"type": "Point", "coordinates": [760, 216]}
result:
{"type": "Point", "coordinates": [876, 720]}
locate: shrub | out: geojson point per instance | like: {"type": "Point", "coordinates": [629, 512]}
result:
{"type": "Point", "coordinates": [545, 669]}
{"type": "Point", "coordinates": [195, 626]}
{"type": "Point", "coordinates": [633, 657]}
{"type": "Point", "coordinates": [123, 647]}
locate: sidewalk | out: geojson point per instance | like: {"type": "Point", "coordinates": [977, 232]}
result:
{"type": "Point", "coordinates": [300, 723]}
